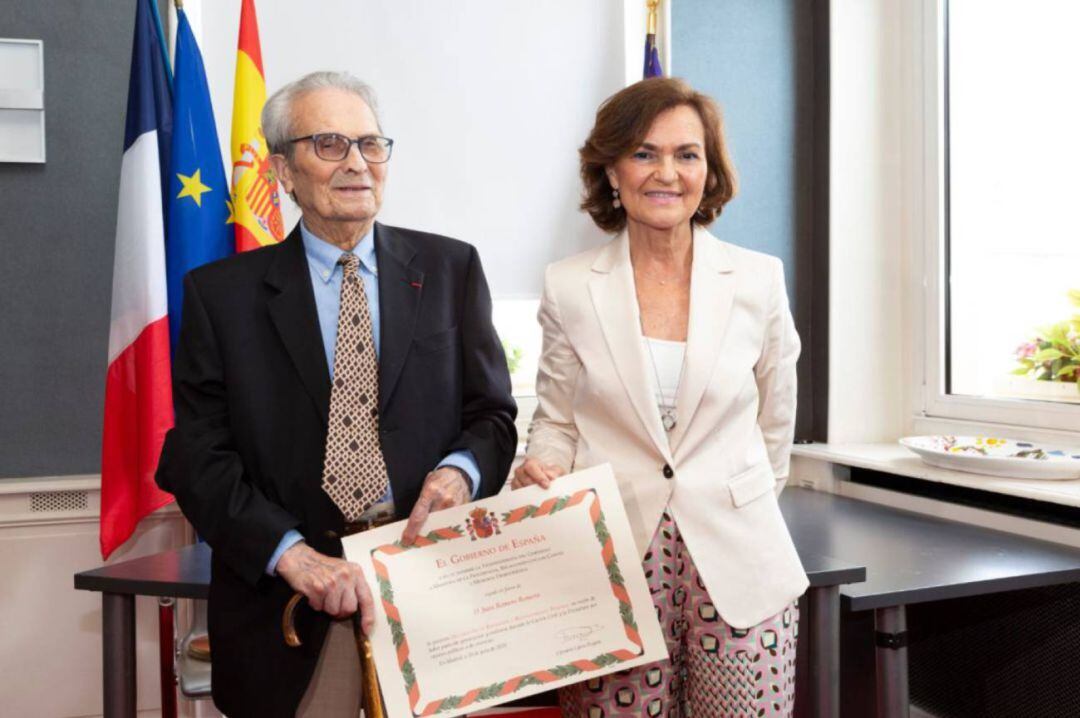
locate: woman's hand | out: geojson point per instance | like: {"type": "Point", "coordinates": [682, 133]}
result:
{"type": "Point", "coordinates": [533, 472]}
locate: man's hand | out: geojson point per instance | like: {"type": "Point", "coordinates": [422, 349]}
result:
{"type": "Point", "coordinates": [443, 488]}
{"type": "Point", "coordinates": [333, 585]}
{"type": "Point", "coordinates": [533, 472]}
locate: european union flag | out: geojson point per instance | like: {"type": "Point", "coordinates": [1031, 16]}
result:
{"type": "Point", "coordinates": [198, 229]}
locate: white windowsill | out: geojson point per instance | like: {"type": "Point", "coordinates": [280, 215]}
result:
{"type": "Point", "coordinates": [895, 459]}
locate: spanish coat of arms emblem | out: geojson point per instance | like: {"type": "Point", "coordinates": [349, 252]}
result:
{"type": "Point", "coordinates": [482, 524]}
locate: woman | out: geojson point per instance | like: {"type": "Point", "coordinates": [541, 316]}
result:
{"type": "Point", "coordinates": [671, 355]}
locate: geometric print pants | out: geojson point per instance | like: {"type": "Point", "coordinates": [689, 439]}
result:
{"type": "Point", "coordinates": [714, 670]}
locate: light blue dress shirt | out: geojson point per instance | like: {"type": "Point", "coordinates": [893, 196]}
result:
{"type": "Point", "coordinates": [326, 276]}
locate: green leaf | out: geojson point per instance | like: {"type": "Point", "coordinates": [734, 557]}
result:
{"type": "Point", "coordinates": [1058, 333]}
{"type": "Point", "coordinates": [1021, 371]}
{"type": "Point", "coordinates": [408, 674]}
{"type": "Point", "coordinates": [1068, 370]}
{"type": "Point", "coordinates": [492, 691]}
{"type": "Point", "coordinates": [565, 671]}
{"type": "Point", "coordinates": [513, 356]}
{"type": "Point", "coordinates": [605, 659]}
{"type": "Point", "coordinates": [1049, 354]}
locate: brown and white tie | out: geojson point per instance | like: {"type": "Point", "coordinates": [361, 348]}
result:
{"type": "Point", "coordinates": [354, 472]}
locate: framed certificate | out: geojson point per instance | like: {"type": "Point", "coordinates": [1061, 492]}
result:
{"type": "Point", "coordinates": [509, 596]}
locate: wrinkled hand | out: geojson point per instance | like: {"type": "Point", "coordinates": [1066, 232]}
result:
{"type": "Point", "coordinates": [534, 472]}
{"type": "Point", "coordinates": [333, 585]}
{"type": "Point", "coordinates": [443, 488]}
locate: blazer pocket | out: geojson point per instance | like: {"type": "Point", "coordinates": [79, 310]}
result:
{"type": "Point", "coordinates": [438, 341]}
{"type": "Point", "coordinates": [752, 483]}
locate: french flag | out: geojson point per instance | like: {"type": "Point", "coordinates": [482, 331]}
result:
{"type": "Point", "coordinates": [138, 389]}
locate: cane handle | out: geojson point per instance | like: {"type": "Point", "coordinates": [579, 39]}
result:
{"type": "Point", "coordinates": [288, 621]}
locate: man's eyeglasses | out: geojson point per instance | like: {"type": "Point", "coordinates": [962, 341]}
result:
{"type": "Point", "coordinates": [332, 147]}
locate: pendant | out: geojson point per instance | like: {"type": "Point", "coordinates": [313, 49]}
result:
{"type": "Point", "coordinates": [667, 418]}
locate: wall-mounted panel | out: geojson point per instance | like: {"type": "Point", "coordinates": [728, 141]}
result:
{"type": "Point", "coordinates": [22, 100]}
{"type": "Point", "coordinates": [766, 63]}
{"type": "Point", "coordinates": [57, 229]}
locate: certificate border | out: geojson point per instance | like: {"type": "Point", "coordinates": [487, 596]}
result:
{"type": "Point", "coordinates": [511, 685]}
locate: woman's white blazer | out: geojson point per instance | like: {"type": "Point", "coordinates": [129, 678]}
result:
{"type": "Point", "coordinates": [721, 468]}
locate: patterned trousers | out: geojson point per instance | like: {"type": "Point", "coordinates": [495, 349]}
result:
{"type": "Point", "coordinates": [714, 671]}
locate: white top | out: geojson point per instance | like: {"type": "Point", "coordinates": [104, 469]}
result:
{"type": "Point", "coordinates": [668, 358]}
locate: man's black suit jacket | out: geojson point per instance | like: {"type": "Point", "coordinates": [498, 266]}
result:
{"type": "Point", "coordinates": [252, 395]}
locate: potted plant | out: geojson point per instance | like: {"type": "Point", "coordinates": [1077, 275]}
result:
{"type": "Point", "coordinates": [1049, 362]}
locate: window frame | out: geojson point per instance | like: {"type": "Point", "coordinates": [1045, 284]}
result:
{"type": "Point", "coordinates": [936, 408]}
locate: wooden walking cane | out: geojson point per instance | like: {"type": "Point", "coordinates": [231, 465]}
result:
{"type": "Point", "coordinates": [371, 698]}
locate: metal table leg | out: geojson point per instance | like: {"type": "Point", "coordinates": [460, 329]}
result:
{"type": "Point", "coordinates": [824, 654]}
{"type": "Point", "coordinates": [167, 656]}
{"type": "Point", "coordinates": [892, 662]}
{"type": "Point", "coordinates": [118, 643]}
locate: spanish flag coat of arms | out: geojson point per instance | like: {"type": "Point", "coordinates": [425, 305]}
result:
{"type": "Point", "coordinates": [256, 208]}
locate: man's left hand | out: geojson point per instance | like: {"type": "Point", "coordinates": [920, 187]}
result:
{"type": "Point", "coordinates": [443, 488]}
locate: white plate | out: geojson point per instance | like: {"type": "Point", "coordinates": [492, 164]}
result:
{"type": "Point", "coordinates": [997, 457]}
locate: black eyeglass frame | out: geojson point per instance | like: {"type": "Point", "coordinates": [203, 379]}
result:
{"type": "Point", "coordinates": [315, 145]}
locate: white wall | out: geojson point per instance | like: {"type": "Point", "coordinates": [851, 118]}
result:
{"type": "Point", "coordinates": [870, 236]}
{"type": "Point", "coordinates": [487, 100]}
{"type": "Point", "coordinates": [50, 664]}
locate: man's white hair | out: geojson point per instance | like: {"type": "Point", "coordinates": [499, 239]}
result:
{"type": "Point", "coordinates": [277, 113]}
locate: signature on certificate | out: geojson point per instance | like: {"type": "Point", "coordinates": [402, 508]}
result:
{"type": "Point", "coordinates": [576, 633]}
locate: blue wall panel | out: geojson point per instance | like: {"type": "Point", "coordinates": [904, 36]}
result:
{"type": "Point", "coordinates": [743, 54]}
{"type": "Point", "coordinates": [767, 63]}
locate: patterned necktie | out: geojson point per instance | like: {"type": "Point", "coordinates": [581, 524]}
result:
{"type": "Point", "coordinates": [354, 473]}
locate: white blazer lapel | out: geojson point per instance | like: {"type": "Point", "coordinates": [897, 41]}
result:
{"type": "Point", "coordinates": [612, 289]}
{"type": "Point", "coordinates": [712, 290]}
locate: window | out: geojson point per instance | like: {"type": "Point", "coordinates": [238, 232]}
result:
{"type": "Point", "coordinates": [515, 321]}
{"type": "Point", "coordinates": [1004, 244]}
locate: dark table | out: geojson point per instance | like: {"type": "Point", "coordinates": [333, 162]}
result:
{"type": "Point", "coordinates": [179, 573]}
{"type": "Point", "coordinates": [185, 573]}
{"type": "Point", "coordinates": [914, 558]}
{"type": "Point", "coordinates": [826, 575]}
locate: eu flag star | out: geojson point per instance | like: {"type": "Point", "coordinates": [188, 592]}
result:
{"type": "Point", "coordinates": [193, 187]}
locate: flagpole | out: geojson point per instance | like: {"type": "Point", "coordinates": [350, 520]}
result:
{"type": "Point", "coordinates": [193, 10]}
{"type": "Point", "coordinates": [164, 46]}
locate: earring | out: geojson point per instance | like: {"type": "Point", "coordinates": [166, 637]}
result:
{"type": "Point", "coordinates": [615, 198]}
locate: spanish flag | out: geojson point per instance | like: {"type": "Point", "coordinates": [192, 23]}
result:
{"type": "Point", "coordinates": [256, 208]}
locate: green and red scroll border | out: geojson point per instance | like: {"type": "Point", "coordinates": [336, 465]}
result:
{"type": "Point", "coordinates": [511, 685]}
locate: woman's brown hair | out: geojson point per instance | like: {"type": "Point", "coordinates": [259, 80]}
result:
{"type": "Point", "coordinates": [623, 121]}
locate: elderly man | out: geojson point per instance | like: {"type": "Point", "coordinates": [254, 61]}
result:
{"type": "Point", "coordinates": [344, 377]}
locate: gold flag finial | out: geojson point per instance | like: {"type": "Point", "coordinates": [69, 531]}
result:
{"type": "Point", "coordinates": [651, 26]}
{"type": "Point", "coordinates": [179, 4]}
